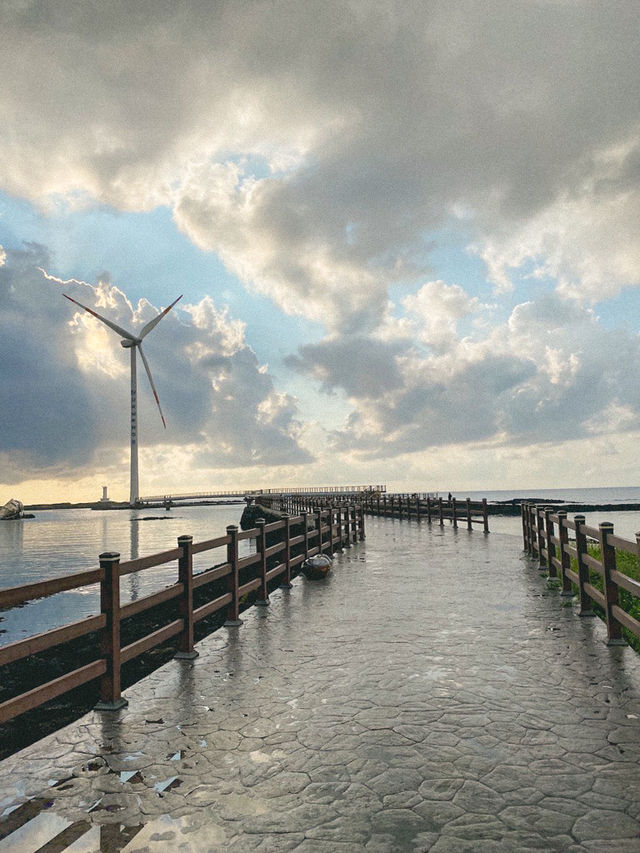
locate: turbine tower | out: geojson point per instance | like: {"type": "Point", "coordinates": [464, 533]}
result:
{"type": "Point", "coordinates": [133, 343]}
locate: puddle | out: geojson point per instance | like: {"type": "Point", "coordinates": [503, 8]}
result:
{"type": "Point", "coordinates": [177, 756]}
{"type": "Point", "coordinates": [131, 776]}
{"type": "Point", "coordinates": [166, 833]}
{"type": "Point", "coordinates": [29, 828]}
{"type": "Point", "coordinates": [167, 784]}
{"type": "Point", "coordinates": [106, 807]}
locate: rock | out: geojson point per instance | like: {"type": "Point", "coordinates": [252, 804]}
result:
{"type": "Point", "coordinates": [12, 509]}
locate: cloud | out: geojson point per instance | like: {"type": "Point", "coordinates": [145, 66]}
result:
{"type": "Point", "coordinates": [319, 149]}
{"type": "Point", "coordinates": [551, 372]}
{"type": "Point", "coordinates": [64, 383]}
{"type": "Point", "coordinates": [362, 367]}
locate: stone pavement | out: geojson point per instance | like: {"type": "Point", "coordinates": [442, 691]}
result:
{"type": "Point", "coordinates": [433, 694]}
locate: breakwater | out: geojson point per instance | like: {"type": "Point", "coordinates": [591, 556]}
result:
{"type": "Point", "coordinates": [514, 506]}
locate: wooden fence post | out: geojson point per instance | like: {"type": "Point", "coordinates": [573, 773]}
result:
{"type": "Point", "coordinates": [523, 520]}
{"type": "Point", "coordinates": [533, 524]}
{"type": "Point", "coordinates": [319, 529]}
{"type": "Point", "coordinates": [347, 526]}
{"type": "Point", "coordinates": [233, 611]}
{"type": "Point", "coordinates": [469, 522]}
{"type": "Point", "coordinates": [428, 509]}
{"type": "Point", "coordinates": [186, 650]}
{"type": "Point", "coordinates": [417, 506]}
{"type": "Point", "coordinates": [339, 527]}
{"type": "Point", "coordinates": [441, 513]}
{"type": "Point", "coordinates": [485, 515]}
{"type": "Point", "coordinates": [454, 513]}
{"type": "Point", "coordinates": [305, 517]}
{"type": "Point", "coordinates": [541, 533]}
{"type": "Point", "coordinates": [286, 583]}
{"type": "Point", "coordinates": [110, 698]}
{"type": "Point", "coordinates": [551, 548]}
{"type": "Point", "coordinates": [362, 530]}
{"type": "Point", "coordinates": [614, 628]}
{"type": "Point", "coordinates": [583, 571]}
{"type": "Point", "coordinates": [261, 547]}
{"type": "Point", "coordinates": [565, 560]}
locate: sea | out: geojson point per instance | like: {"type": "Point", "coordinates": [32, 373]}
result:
{"type": "Point", "coordinates": [626, 523]}
{"type": "Point", "coordinates": [60, 542]}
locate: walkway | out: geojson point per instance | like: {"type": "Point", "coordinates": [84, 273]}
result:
{"type": "Point", "coordinates": [432, 695]}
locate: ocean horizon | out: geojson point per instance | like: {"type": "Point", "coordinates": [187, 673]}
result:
{"type": "Point", "coordinates": [600, 496]}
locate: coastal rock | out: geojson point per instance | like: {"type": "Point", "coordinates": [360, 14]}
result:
{"type": "Point", "coordinates": [12, 509]}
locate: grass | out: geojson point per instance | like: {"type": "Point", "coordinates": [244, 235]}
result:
{"type": "Point", "coordinates": [628, 564]}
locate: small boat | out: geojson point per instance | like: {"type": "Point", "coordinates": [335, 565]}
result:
{"type": "Point", "coordinates": [317, 567]}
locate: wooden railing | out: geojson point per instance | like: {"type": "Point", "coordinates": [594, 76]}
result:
{"type": "Point", "coordinates": [546, 533]}
{"type": "Point", "coordinates": [280, 548]}
{"type": "Point", "coordinates": [330, 491]}
{"type": "Point", "coordinates": [430, 509]}
{"type": "Point", "coordinates": [416, 506]}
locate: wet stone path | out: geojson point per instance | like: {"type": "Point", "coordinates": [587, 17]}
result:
{"type": "Point", "coordinates": [431, 695]}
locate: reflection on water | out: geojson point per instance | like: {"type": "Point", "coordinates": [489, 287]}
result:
{"type": "Point", "coordinates": [31, 826]}
{"type": "Point", "coordinates": [60, 542]}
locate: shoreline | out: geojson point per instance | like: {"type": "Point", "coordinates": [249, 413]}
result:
{"type": "Point", "coordinates": [506, 507]}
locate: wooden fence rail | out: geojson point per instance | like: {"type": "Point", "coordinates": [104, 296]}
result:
{"type": "Point", "coordinates": [547, 538]}
{"type": "Point", "coordinates": [280, 547]}
{"type": "Point", "coordinates": [417, 506]}
{"type": "Point", "coordinates": [458, 512]}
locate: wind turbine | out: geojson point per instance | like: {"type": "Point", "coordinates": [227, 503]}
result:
{"type": "Point", "coordinates": [133, 342]}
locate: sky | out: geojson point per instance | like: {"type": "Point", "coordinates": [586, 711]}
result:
{"type": "Point", "coordinates": [406, 235]}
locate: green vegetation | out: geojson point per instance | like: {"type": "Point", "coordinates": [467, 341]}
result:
{"type": "Point", "coordinates": [628, 564]}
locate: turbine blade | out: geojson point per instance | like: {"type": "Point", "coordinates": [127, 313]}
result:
{"type": "Point", "coordinates": [104, 320]}
{"type": "Point", "coordinates": [153, 387]}
{"type": "Point", "coordinates": [153, 323]}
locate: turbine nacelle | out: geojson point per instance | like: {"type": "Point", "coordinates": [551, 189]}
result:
{"type": "Point", "coordinates": [127, 343]}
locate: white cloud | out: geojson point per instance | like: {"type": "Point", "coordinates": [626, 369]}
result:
{"type": "Point", "coordinates": [586, 239]}
{"type": "Point", "coordinates": [551, 372]}
{"type": "Point", "coordinates": [435, 310]}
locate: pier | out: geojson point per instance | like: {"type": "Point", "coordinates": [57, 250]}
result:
{"type": "Point", "coordinates": [433, 694]}
{"type": "Point", "coordinates": [328, 491]}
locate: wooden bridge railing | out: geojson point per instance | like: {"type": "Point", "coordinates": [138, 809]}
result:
{"type": "Point", "coordinates": [458, 512]}
{"type": "Point", "coordinates": [280, 547]}
{"type": "Point", "coordinates": [546, 535]}
{"type": "Point", "coordinates": [417, 506]}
